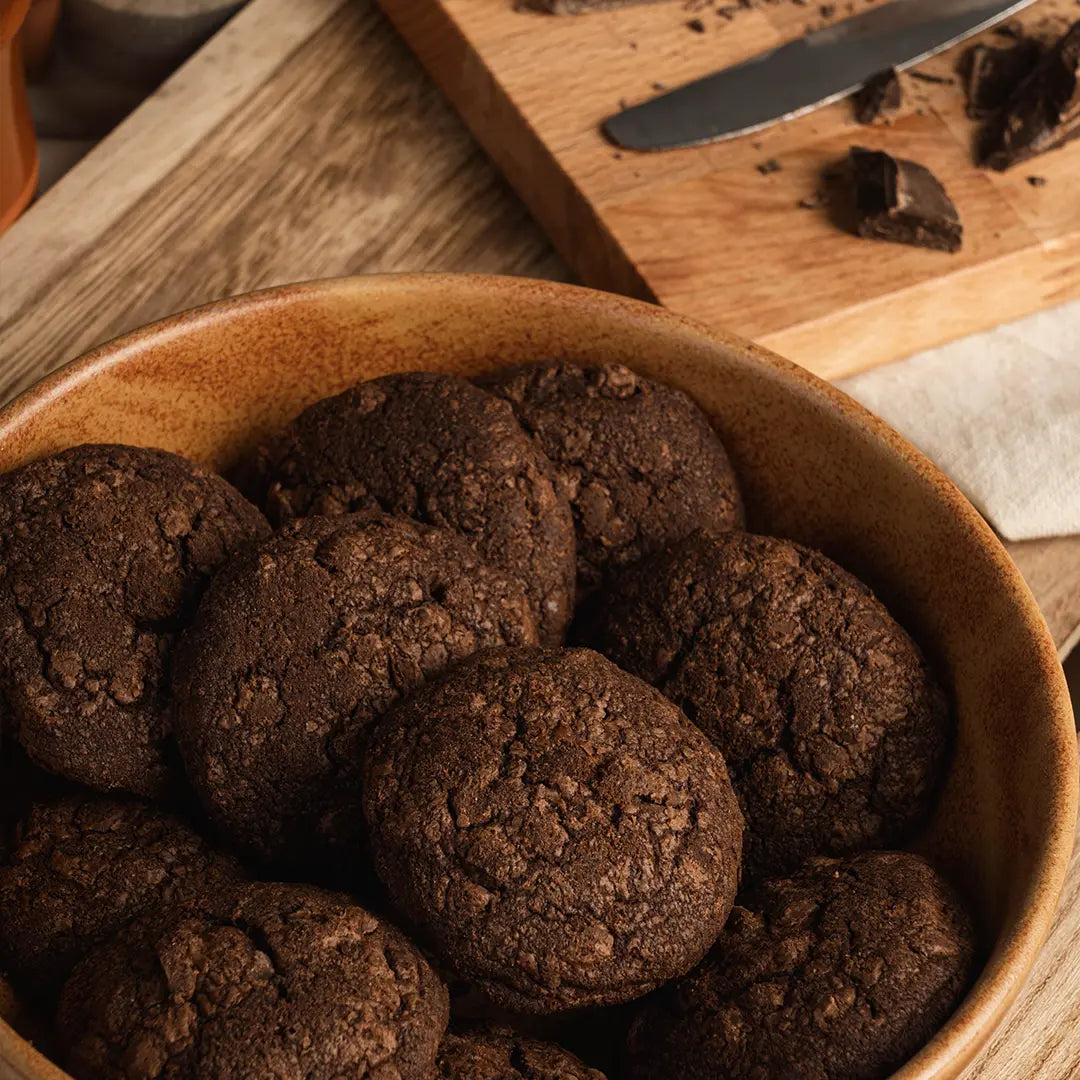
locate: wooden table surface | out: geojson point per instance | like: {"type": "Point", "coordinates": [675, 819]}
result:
{"type": "Point", "coordinates": [304, 141]}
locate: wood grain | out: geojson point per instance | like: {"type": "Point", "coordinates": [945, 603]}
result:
{"type": "Point", "coordinates": [1052, 569]}
{"type": "Point", "coordinates": [701, 229]}
{"type": "Point", "coordinates": [305, 141]}
{"type": "Point", "coordinates": [1040, 1038]}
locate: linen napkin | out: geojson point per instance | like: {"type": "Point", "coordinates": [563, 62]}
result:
{"type": "Point", "coordinates": [999, 413]}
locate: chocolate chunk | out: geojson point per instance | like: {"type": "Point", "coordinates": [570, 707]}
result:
{"type": "Point", "coordinates": [880, 96]}
{"type": "Point", "coordinates": [991, 75]}
{"type": "Point", "coordinates": [1044, 111]}
{"type": "Point", "coordinates": [903, 202]}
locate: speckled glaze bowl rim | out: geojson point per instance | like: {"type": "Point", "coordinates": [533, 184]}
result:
{"type": "Point", "coordinates": [956, 1044]}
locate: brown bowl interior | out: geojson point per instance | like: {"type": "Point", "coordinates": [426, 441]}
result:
{"type": "Point", "coordinates": [814, 467]}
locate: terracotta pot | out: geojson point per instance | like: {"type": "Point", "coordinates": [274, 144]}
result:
{"type": "Point", "coordinates": [814, 466]}
{"type": "Point", "coordinates": [18, 146]}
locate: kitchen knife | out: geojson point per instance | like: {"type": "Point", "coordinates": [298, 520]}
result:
{"type": "Point", "coordinates": [797, 78]}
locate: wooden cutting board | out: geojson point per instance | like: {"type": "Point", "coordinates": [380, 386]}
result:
{"type": "Point", "coordinates": [708, 233]}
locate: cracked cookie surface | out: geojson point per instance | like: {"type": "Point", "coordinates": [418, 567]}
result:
{"type": "Point", "coordinates": [104, 552]}
{"type": "Point", "coordinates": [435, 448]}
{"type": "Point", "coordinates": [840, 972]}
{"type": "Point", "coordinates": [502, 1054]}
{"type": "Point", "coordinates": [83, 867]}
{"type": "Point", "coordinates": [302, 642]}
{"type": "Point", "coordinates": [558, 829]}
{"type": "Point", "coordinates": [293, 982]}
{"type": "Point", "coordinates": [639, 462]}
{"type": "Point", "coordinates": [834, 730]}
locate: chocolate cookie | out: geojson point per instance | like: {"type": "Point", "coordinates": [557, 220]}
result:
{"type": "Point", "coordinates": [839, 973]}
{"type": "Point", "coordinates": [300, 643]}
{"type": "Point", "coordinates": [22, 785]}
{"type": "Point", "coordinates": [561, 833]}
{"type": "Point", "coordinates": [294, 983]}
{"type": "Point", "coordinates": [501, 1054]}
{"type": "Point", "coordinates": [638, 460]}
{"type": "Point", "coordinates": [104, 551]}
{"type": "Point", "coordinates": [438, 449]}
{"type": "Point", "coordinates": [834, 730]}
{"type": "Point", "coordinates": [82, 868]}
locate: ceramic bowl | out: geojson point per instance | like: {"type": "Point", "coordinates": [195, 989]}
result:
{"type": "Point", "coordinates": [814, 467]}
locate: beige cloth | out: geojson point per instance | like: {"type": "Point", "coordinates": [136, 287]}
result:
{"type": "Point", "coordinates": [1000, 414]}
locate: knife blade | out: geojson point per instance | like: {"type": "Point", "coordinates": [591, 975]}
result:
{"type": "Point", "coordinates": [804, 75]}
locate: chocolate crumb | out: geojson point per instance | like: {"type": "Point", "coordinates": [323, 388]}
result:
{"type": "Point", "coordinates": [696, 25]}
{"type": "Point", "coordinates": [770, 166]}
{"type": "Point", "coordinates": [1037, 181]}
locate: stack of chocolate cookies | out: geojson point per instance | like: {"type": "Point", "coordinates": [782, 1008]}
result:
{"type": "Point", "coordinates": [492, 747]}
